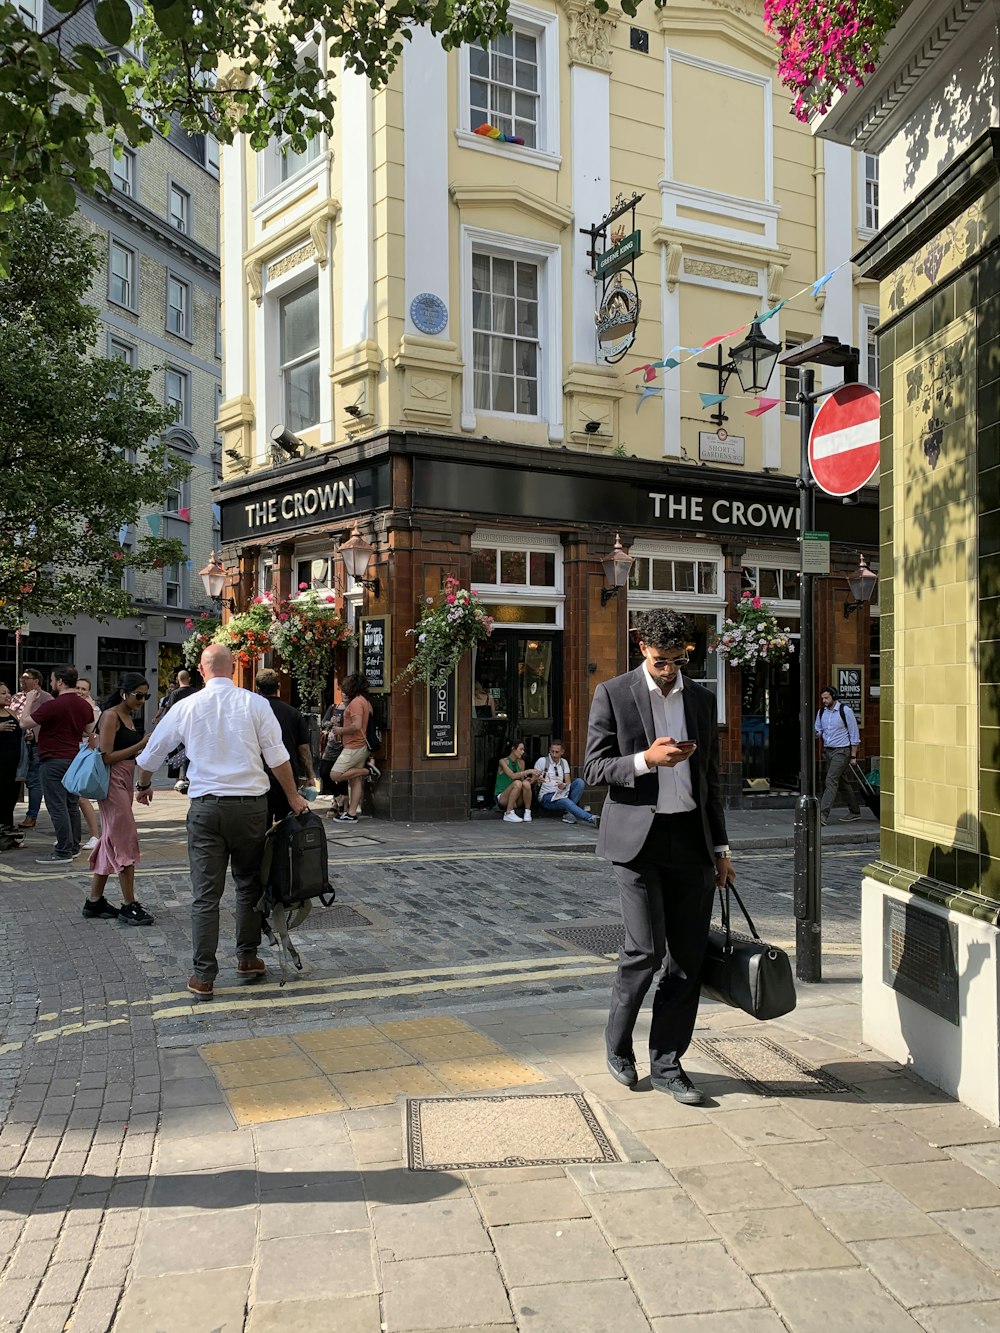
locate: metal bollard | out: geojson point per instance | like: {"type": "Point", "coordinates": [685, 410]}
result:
{"type": "Point", "coordinates": [808, 907]}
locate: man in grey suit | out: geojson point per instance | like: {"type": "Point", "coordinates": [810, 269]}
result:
{"type": "Point", "coordinates": [653, 738]}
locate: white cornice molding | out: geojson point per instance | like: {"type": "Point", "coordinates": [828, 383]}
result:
{"type": "Point", "coordinates": [469, 198]}
{"type": "Point", "coordinates": [866, 118]}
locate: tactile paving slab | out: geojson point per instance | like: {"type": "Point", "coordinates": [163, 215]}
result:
{"type": "Point", "coordinates": [768, 1068]}
{"type": "Point", "coordinates": [466, 1133]}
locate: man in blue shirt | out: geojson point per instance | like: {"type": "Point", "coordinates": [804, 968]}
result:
{"type": "Point", "coordinates": [837, 728]}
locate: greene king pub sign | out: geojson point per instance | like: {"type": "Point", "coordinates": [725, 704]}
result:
{"type": "Point", "coordinates": [612, 256]}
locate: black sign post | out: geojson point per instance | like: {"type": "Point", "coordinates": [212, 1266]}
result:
{"type": "Point", "coordinates": [442, 729]}
{"type": "Point", "coordinates": [374, 640]}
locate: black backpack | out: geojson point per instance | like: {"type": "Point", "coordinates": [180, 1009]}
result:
{"type": "Point", "coordinates": [293, 871]}
{"type": "Point", "coordinates": [373, 735]}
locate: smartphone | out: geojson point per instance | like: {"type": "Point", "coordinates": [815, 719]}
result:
{"type": "Point", "coordinates": [685, 745]}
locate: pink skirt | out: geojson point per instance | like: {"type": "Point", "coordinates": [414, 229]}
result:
{"type": "Point", "coordinates": [119, 845]}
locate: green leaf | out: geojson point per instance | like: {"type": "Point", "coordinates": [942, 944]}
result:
{"type": "Point", "coordinates": [114, 20]}
{"type": "Point", "coordinates": [174, 20]}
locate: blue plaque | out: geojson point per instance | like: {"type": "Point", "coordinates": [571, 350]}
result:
{"type": "Point", "coordinates": [429, 313]}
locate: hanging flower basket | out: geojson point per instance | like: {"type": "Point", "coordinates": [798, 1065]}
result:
{"type": "Point", "coordinates": [752, 636]}
{"type": "Point", "coordinates": [306, 631]}
{"type": "Point", "coordinates": [826, 45]}
{"type": "Point", "coordinates": [203, 630]}
{"type": "Point", "coordinates": [445, 633]}
{"type": "Point", "coordinates": [248, 634]}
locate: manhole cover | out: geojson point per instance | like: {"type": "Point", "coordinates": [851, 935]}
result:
{"type": "Point", "coordinates": [463, 1133]}
{"type": "Point", "coordinates": [336, 917]}
{"type": "Point", "coordinates": [600, 937]}
{"type": "Point", "coordinates": [769, 1069]}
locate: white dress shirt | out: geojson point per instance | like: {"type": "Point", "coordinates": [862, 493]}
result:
{"type": "Point", "coordinates": [228, 734]}
{"type": "Point", "coordinates": [676, 794]}
{"type": "Point", "coordinates": [552, 774]}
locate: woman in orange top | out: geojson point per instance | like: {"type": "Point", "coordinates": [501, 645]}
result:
{"type": "Point", "coordinates": [350, 765]}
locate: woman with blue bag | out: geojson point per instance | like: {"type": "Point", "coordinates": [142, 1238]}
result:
{"type": "Point", "coordinates": [120, 738]}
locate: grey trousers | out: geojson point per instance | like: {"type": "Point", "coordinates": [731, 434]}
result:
{"type": "Point", "coordinates": [224, 830]}
{"type": "Point", "coordinates": [63, 806]}
{"type": "Point", "coordinates": [837, 781]}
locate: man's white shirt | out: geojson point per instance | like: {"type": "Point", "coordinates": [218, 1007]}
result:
{"type": "Point", "coordinates": [228, 734]}
{"type": "Point", "coordinates": [552, 774]}
{"type": "Point", "coordinates": [676, 794]}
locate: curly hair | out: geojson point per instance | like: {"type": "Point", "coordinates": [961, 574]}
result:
{"type": "Point", "coordinates": [661, 628]}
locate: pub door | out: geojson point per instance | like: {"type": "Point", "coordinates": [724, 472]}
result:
{"type": "Point", "coordinates": [518, 693]}
{"type": "Point", "coordinates": [771, 726]}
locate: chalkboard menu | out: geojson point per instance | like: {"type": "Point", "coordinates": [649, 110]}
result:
{"type": "Point", "coordinates": [373, 633]}
{"type": "Point", "coordinates": [442, 731]}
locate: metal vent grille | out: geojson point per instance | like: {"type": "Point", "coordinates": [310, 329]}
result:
{"type": "Point", "coordinates": [599, 937]}
{"type": "Point", "coordinates": [919, 957]}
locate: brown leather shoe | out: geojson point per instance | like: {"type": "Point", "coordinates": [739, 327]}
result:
{"type": "Point", "coordinates": [26, 822]}
{"type": "Point", "coordinates": [202, 990]}
{"type": "Point", "coordinates": [249, 969]}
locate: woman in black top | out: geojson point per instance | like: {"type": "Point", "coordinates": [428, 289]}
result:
{"type": "Point", "coordinates": [10, 755]}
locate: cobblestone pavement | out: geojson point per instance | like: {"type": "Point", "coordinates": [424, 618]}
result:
{"type": "Point", "coordinates": [132, 1199]}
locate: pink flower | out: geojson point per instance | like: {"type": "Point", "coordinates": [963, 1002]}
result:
{"type": "Point", "coordinates": [283, 617]}
{"type": "Point", "coordinates": [257, 601]}
{"type": "Point", "coordinates": [747, 596]}
{"type": "Point", "coordinates": [189, 624]}
{"type": "Point", "coordinates": [303, 587]}
{"type": "Point", "coordinates": [451, 598]}
{"type": "Point", "coordinates": [756, 603]}
{"type": "Point", "coordinates": [329, 597]}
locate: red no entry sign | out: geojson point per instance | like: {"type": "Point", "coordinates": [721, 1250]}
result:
{"type": "Point", "coordinates": [844, 440]}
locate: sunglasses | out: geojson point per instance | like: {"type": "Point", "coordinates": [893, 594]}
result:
{"type": "Point", "coordinates": [138, 696]}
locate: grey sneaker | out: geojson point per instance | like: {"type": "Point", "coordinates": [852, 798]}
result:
{"type": "Point", "coordinates": [52, 859]}
{"type": "Point", "coordinates": [622, 1067]}
{"type": "Point", "coordinates": [851, 818]}
{"type": "Point", "coordinates": [568, 819]}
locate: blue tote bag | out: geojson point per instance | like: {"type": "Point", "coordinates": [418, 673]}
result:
{"type": "Point", "coordinates": [88, 775]}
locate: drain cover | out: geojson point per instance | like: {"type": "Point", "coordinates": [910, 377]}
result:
{"type": "Point", "coordinates": [769, 1069]}
{"type": "Point", "coordinates": [600, 937]}
{"type": "Point", "coordinates": [336, 917]}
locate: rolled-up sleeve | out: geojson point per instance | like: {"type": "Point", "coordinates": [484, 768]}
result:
{"type": "Point", "coordinates": [272, 747]}
{"type": "Point", "coordinates": [165, 738]}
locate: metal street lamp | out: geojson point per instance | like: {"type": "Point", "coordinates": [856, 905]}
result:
{"type": "Point", "coordinates": [213, 577]}
{"type": "Point", "coordinates": [356, 554]}
{"type": "Point", "coordinates": [752, 361]}
{"type": "Point", "coordinates": [617, 567]}
{"type": "Point", "coordinates": [862, 585]}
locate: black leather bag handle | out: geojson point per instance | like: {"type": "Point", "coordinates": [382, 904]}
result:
{"type": "Point", "coordinates": [727, 914]}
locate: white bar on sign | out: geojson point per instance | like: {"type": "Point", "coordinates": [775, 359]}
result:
{"type": "Point", "coordinates": [843, 441]}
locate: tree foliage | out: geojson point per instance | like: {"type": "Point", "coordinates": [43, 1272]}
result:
{"type": "Point", "coordinates": [57, 96]}
{"type": "Point", "coordinates": [80, 447]}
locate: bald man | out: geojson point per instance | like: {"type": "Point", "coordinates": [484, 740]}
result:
{"type": "Point", "coordinates": [229, 735]}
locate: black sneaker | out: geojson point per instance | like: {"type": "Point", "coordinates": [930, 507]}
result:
{"type": "Point", "coordinates": [680, 1088]}
{"type": "Point", "coordinates": [134, 914]}
{"type": "Point", "coordinates": [347, 819]}
{"type": "Point", "coordinates": [374, 772]}
{"type": "Point", "coordinates": [99, 910]}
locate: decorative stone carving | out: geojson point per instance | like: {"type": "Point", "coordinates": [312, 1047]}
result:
{"type": "Point", "coordinates": [748, 9]}
{"type": "Point", "coordinates": [290, 261]}
{"type": "Point", "coordinates": [590, 37]}
{"type": "Point", "coordinates": [775, 273]}
{"type": "Point", "coordinates": [738, 277]}
{"type": "Point", "coordinates": [675, 254]}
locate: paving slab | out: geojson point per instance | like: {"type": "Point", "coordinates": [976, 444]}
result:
{"type": "Point", "coordinates": [425, 1230]}
{"type": "Point", "coordinates": [983, 1158]}
{"type": "Point", "coordinates": [978, 1229]}
{"type": "Point", "coordinates": [337, 1264]}
{"type": "Point", "coordinates": [312, 1212]}
{"type": "Point", "coordinates": [975, 1317]}
{"type": "Point", "coordinates": [456, 1292]}
{"type": "Point", "coordinates": [805, 1165]}
{"type": "Point", "coordinates": [390, 1182]}
{"type": "Point", "coordinates": [689, 1278]}
{"type": "Point", "coordinates": [181, 1302]}
{"type": "Point", "coordinates": [534, 1253]}
{"type": "Point", "coordinates": [767, 1125]}
{"type": "Point", "coordinates": [776, 1240]}
{"type": "Point", "coordinates": [699, 1145]}
{"type": "Point", "coordinates": [928, 1270]}
{"type": "Point", "coordinates": [653, 1217]}
{"type": "Point", "coordinates": [948, 1125]}
{"type": "Point", "coordinates": [187, 1245]}
{"type": "Point", "coordinates": [201, 1191]}
{"type": "Point", "coordinates": [347, 1314]}
{"type": "Point", "coordinates": [205, 1152]}
{"type": "Point", "coordinates": [612, 1177]}
{"type": "Point", "coordinates": [722, 1188]}
{"type": "Point", "coordinates": [836, 1300]}
{"type": "Point", "coordinates": [867, 1212]}
{"type": "Point", "coordinates": [733, 1321]}
{"type": "Point", "coordinates": [579, 1307]}
{"type": "Point", "coordinates": [942, 1186]}
{"type": "Point", "coordinates": [884, 1143]}
{"type": "Point", "coordinates": [529, 1201]}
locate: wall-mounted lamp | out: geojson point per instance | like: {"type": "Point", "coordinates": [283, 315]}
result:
{"type": "Point", "coordinates": [617, 567]}
{"type": "Point", "coordinates": [753, 361]}
{"type": "Point", "coordinates": [862, 584]}
{"type": "Point", "coordinates": [213, 578]}
{"type": "Point", "coordinates": [286, 440]}
{"type": "Point", "coordinates": [356, 554]}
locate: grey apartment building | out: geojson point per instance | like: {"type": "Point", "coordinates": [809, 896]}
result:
{"type": "Point", "coordinates": [158, 297]}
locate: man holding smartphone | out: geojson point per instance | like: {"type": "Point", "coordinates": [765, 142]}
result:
{"type": "Point", "coordinates": [654, 739]}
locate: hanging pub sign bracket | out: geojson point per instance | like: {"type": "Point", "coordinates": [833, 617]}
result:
{"type": "Point", "coordinates": [612, 254]}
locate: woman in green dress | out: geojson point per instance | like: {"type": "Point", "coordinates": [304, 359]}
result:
{"type": "Point", "coordinates": [513, 785]}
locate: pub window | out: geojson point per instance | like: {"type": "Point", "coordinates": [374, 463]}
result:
{"type": "Point", "coordinates": [778, 583]}
{"type": "Point", "coordinates": [317, 572]}
{"type": "Point", "coordinates": [298, 336]}
{"type": "Point", "coordinates": [517, 568]}
{"type": "Point", "coordinates": [651, 574]}
{"type": "Point", "coordinates": [505, 344]}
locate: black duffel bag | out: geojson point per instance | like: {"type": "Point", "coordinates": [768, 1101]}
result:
{"type": "Point", "coordinates": [743, 971]}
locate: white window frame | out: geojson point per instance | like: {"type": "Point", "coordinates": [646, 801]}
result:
{"type": "Point", "coordinates": [129, 158]}
{"type": "Point", "coordinates": [177, 583]}
{"type": "Point", "coordinates": [791, 374]}
{"type": "Point", "coordinates": [133, 269]}
{"type": "Point", "coordinates": [870, 320]}
{"type": "Point", "coordinates": [185, 196]}
{"type": "Point", "coordinates": [185, 382]}
{"type": "Point", "coordinates": [272, 191]}
{"type": "Point", "coordinates": [764, 559]}
{"type": "Point", "coordinates": [523, 594]}
{"type": "Point", "coordinates": [547, 256]}
{"type": "Point", "coordinates": [311, 281]}
{"type": "Point", "coordinates": [686, 603]}
{"type": "Point", "coordinates": [869, 214]}
{"type": "Point", "coordinates": [544, 26]}
{"type": "Point", "coordinates": [267, 375]}
{"type": "Point", "coordinates": [121, 344]}
{"type": "Point", "coordinates": [185, 330]}
{"type": "Point", "coordinates": [30, 12]}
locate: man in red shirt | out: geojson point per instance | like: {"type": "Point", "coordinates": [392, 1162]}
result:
{"type": "Point", "coordinates": [62, 723]}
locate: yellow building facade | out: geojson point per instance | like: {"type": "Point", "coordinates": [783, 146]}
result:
{"type": "Point", "coordinates": [409, 287]}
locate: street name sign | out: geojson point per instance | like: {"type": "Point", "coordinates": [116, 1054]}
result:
{"type": "Point", "coordinates": [844, 440]}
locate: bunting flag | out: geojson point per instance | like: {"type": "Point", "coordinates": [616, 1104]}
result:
{"type": "Point", "coordinates": [668, 363]}
{"type": "Point", "coordinates": [820, 283]}
{"type": "Point", "coordinates": [185, 514]}
{"type": "Point", "coordinates": [713, 399]}
{"type": "Point", "coordinates": [769, 314]}
{"type": "Point", "coordinates": [763, 405]}
{"type": "Point", "coordinates": [123, 534]}
{"type": "Point", "coordinates": [154, 521]}
{"type": "Point", "coordinates": [648, 392]}
{"type": "Point", "coordinates": [188, 564]}
{"type": "Point", "coordinates": [648, 371]}
{"type": "Point", "coordinates": [721, 337]}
